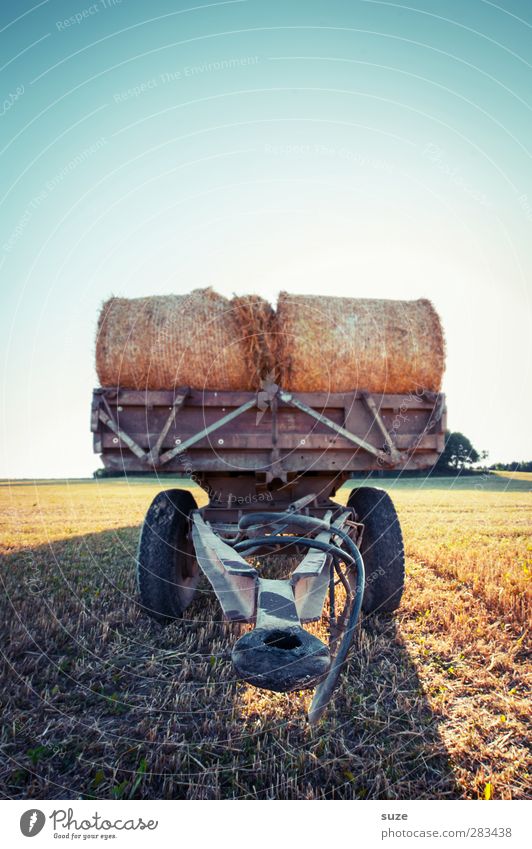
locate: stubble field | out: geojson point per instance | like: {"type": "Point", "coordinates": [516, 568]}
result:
{"type": "Point", "coordinates": [97, 701]}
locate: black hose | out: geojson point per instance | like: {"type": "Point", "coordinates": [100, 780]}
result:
{"type": "Point", "coordinates": [304, 522]}
{"type": "Point", "coordinates": [325, 689]}
{"type": "Point", "coordinates": [328, 547]}
{"type": "Point", "coordinates": [266, 518]}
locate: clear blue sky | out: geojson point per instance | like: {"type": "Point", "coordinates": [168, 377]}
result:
{"type": "Point", "coordinates": [355, 148]}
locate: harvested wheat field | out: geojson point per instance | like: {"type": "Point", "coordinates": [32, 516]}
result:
{"type": "Point", "coordinates": [100, 702]}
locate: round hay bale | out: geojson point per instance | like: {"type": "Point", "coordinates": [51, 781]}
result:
{"type": "Point", "coordinates": [342, 344]}
{"type": "Point", "coordinates": [195, 340]}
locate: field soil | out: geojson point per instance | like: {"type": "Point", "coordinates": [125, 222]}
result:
{"type": "Point", "coordinates": [100, 702]}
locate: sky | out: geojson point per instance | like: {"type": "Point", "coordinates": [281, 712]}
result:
{"type": "Point", "coordinates": [362, 148]}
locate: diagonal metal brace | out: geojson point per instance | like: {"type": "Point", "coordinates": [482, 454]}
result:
{"type": "Point", "coordinates": [288, 398]}
{"type": "Point", "coordinates": [153, 456]}
{"type": "Point", "coordinates": [372, 407]}
{"type": "Point", "coordinates": [126, 439]}
{"type": "Point", "coordinates": [169, 455]}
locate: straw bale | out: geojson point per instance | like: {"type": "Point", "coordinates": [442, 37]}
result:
{"type": "Point", "coordinates": [312, 343]}
{"type": "Point", "coordinates": [257, 322]}
{"type": "Point", "coordinates": [341, 344]}
{"type": "Point", "coordinates": [196, 340]}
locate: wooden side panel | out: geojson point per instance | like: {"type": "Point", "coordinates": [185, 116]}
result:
{"type": "Point", "coordinates": [415, 425]}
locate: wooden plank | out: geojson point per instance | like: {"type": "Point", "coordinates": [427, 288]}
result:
{"type": "Point", "coordinates": [287, 442]}
{"type": "Point", "coordinates": [258, 461]}
{"type": "Point", "coordinates": [95, 413]}
{"type": "Point", "coordinates": [211, 398]}
{"type": "Point", "coordinates": [291, 421]}
{"type": "Point", "coordinates": [303, 445]}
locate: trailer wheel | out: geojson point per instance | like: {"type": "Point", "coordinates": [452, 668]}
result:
{"type": "Point", "coordinates": [167, 571]}
{"type": "Point", "coordinates": [381, 548]}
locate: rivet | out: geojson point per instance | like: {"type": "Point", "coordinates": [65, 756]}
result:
{"type": "Point", "coordinates": [220, 442]}
{"type": "Point", "coordinates": [178, 442]}
{"type": "Point", "coordinates": [115, 440]}
{"type": "Point", "coordinates": [119, 409]}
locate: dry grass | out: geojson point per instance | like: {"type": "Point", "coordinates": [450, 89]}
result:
{"type": "Point", "coordinates": [99, 702]}
{"type": "Point", "coordinates": [516, 476]}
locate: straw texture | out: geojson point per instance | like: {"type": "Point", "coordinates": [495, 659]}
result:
{"type": "Point", "coordinates": [341, 344]}
{"type": "Point", "coordinates": [311, 344]}
{"type": "Point", "coordinates": [257, 322]}
{"type": "Point", "coordinates": [161, 342]}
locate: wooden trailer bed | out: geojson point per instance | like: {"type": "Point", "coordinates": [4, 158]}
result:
{"type": "Point", "coordinates": [242, 432]}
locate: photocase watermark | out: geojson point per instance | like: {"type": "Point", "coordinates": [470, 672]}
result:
{"type": "Point", "coordinates": [216, 496]}
{"type": "Point", "coordinates": [37, 201]}
{"type": "Point", "coordinates": [65, 824]}
{"type": "Point", "coordinates": [11, 99]}
{"type": "Point", "coordinates": [32, 822]}
{"type": "Point", "coordinates": [88, 12]}
{"type": "Point", "coordinates": [324, 150]}
{"type": "Point", "coordinates": [484, 478]}
{"type": "Point", "coordinates": [35, 585]}
{"type": "Point", "coordinates": [184, 73]}
{"type": "Point", "coordinates": [526, 205]}
{"type": "Point", "coordinates": [435, 154]}
{"type": "Point", "coordinates": [64, 819]}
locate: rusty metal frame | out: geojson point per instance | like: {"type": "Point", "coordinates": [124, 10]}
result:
{"type": "Point", "coordinates": [372, 407]}
{"type": "Point", "coordinates": [179, 400]}
{"type": "Point", "coordinates": [154, 458]}
{"type": "Point", "coordinates": [233, 580]}
{"type": "Point", "coordinates": [121, 434]}
{"type": "Point", "coordinates": [224, 535]}
{"type": "Point", "coordinates": [179, 449]}
{"type": "Point", "coordinates": [288, 398]}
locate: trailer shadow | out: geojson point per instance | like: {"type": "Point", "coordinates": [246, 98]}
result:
{"type": "Point", "coordinates": [99, 702]}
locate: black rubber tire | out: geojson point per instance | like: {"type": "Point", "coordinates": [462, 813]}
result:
{"type": "Point", "coordinates": [167, 571]}
{"type": "Point", "coordinates": [381, 548]}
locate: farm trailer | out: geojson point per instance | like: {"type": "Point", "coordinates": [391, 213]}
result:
{"type": "Point", "coordinates": [271, 462]}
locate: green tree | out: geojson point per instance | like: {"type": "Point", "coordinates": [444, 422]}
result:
{"type": "Point", "coordinates": [458, 453]}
